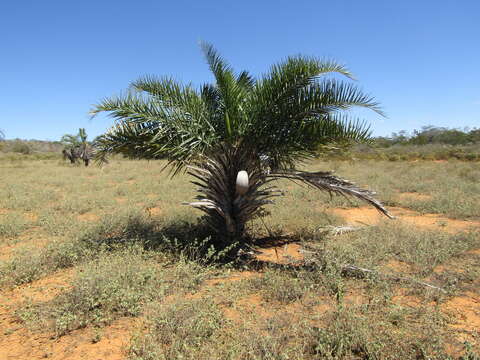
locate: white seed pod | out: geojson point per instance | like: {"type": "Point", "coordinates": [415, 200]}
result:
{"type": "Point", "coordinates": [242, 182]}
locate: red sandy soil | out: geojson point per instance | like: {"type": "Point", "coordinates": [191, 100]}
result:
{"type": "Point", "coordinates": [370, 216]}
{"type": "Point", "coordinates": [154, 211]}
{"type": "Point", "coordinates": [280, 254]}
{"type": "Point", "coordinates": [88, 217]}
{"type": "Point", "coordinates": [17, 342]}
{"type": "Point", "coordinates": [465, 309]}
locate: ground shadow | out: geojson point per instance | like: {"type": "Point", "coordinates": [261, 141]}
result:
{"type": "Point", "coordinates": [192, 240]}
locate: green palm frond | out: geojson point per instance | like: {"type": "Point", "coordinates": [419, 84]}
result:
{"type": "Point", "coordinates": [286, 114]}
{"type": "Point", "coordinates": [128, 138]}
{"type": "Point", "coordinates": [82, 134]}
{"type": "Point", "coordinates": [165, 90]}
{"type": "Point", "coordinates": [295, 109]}
{"type": "Point", "coordinates": [245, 80]}
{"type": "Point", "coordinates": [220, 68]}
{"type": "Point", "coordinates": [343, 128]}
{"type": "Point", "coordinates": [287, 77]}
{"type": "Point", "coordinates": [130, 107]}
{"type": "Point", "coordinates": [232, 90]}
{"type": "Point", "coordinates": [333, 95]}
{"type": "Point", "coordinates": [172, 122]}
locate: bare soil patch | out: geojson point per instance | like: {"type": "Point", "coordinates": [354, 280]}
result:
{"type": "Point", "coordinates": [88, 217]}
{"type": "Point", "coordinates": [280, 254]}
{"type": "Point", "coordinates": [398, 266]}
{"type": "Point", "coordinates": [466, 311]}
{"type": "Point", "coordinates": [84, 344]}
{"type": "Point", "coordinates": [251, 304]}
{"type": "Point", "coordinates": [41, 290]}
{"type": "Point", "coordinates": [154, 211]}
{"type": "Point", "coordinates": [370, 216]}
{"type": "Point", "coordinates": [403, 298]}
{"type": "Point", "coordinates": [31, 216]}
{"type": "Point", "coordinates": [238, 276]}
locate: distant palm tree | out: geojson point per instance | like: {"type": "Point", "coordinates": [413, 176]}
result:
{"type": "Point", "coordinates": [77, 147]}
{"type": "Point", "coordinates": [225, 134]}
{"type": "Point", "coordinates": [2, 137]}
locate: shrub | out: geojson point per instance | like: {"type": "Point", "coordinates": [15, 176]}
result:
{"type": "Point", "coordinates": [21, 148]}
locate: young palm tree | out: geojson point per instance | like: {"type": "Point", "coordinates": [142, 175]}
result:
{"type": "Point", "coordinates": [225, 134]}
{"type": "Point", "coordinates": [77, 147]}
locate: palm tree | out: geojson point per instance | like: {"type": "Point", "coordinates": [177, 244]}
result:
{"type": "Point", "coordinates": [2, 138]}
{"type": "Point", "coordinates": [224, 134]}
{"type": "Point", "coordinates": [77, 147]}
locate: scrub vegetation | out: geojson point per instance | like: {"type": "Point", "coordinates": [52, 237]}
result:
{"type": "Point", "coordinates": [104, 262]}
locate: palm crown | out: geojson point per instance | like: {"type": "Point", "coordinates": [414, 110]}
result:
{"type": "Point", "coordinates": [222, 128]}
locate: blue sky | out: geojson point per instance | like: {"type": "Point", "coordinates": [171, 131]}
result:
{"type": "Point", "coordinates": [419, 58]}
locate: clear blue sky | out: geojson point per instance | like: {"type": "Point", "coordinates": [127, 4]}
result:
{"type": "Point", "coordinates": [419, 58]}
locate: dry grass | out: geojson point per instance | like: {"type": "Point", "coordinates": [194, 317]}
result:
{"type": "Point", "coordinates": [137, 253]}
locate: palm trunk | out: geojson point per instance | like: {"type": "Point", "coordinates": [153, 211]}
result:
{"type": "Point", "coordinates": [227, 206]}
{"type": "Point", "coordinates": [228, 210]}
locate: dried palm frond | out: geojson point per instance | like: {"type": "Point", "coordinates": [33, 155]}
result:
{"type": "Point", "coordinates": [326, 181]}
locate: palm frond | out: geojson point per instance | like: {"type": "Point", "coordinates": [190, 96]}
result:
{"type": "Point", "coordinates": [245, 80]}
{"type": "Point", "coordinates": [326, 181]}
{"type": "Point", "coordinates": [130, 107]}
{"type": "Point", "coordinates": [218, 65]}
{"type": "Point", "coordinates": [232, 90]}
{"type": "Point", "coordinates": [295, 110]}
{"type": "Point", "coordinates": [165, 90]}
{"type": "Point", "coordinates": [334, 95]}
{"type": "Point", "coordinates": [340, 128]}
{"type": "Point", "coordinates": [130, 139]}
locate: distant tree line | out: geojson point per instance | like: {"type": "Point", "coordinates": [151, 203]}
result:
{"type": "Point", "coordinates": [431, 135]}
{"type": "Point", "coordinates": [461, 143]}
{"type": "Point", "coordinates": [27, 147]}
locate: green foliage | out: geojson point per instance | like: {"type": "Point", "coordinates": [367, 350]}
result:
{"type": "Point", "coordinates": [406, 152]}
{"type": "Point", "coordinates": [82, 134]}
{"type": "Point", "coordinates": [70, 141]}
{"type": "Point", "coordinates": [431, 135]}
{"type": "Point", "coordinates": [286, 114]}
{"type": "Point", "coordinates": [21, 147]}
